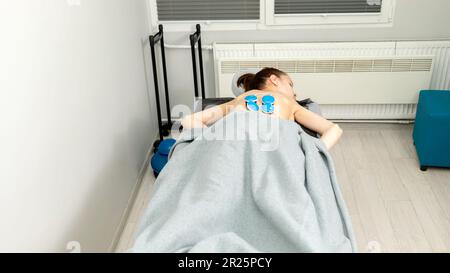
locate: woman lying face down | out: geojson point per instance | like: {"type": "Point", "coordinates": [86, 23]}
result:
{"type": "Point", "coordinates": [270, 91]}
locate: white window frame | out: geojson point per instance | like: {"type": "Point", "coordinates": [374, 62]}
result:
{"type": "Point", "coordinates": [207, 25]}
{"type": "Point", "coordinates": [385, 17]}
{"type": "Point", "coordinates": [268, 20]}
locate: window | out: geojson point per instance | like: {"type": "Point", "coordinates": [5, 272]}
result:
{"type": "Point", "coordinates": [323, 12]}
{"type": "Point", "coordinates": [326, 6]}
{"type": "Point", "coordinates": [207, 10]}
{"type": "Point", "coordinates": [181, 15]}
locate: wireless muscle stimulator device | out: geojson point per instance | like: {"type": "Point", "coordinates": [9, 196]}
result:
{"type": "Point", "coordinates": [267, 106]}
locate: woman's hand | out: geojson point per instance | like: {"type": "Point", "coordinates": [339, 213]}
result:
{"type": "Point", "coordinates": [331, 136]}
{"type": "Point", "coordinates": [330, 133]}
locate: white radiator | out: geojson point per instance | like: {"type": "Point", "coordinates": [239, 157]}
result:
{"type": "Point", "coordinates": [376, 80]}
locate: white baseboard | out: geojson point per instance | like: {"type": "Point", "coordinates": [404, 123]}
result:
{"type": "Point", "coordinates": [392, 121]}
{"type": "Point", "coordinates": [126, 214]}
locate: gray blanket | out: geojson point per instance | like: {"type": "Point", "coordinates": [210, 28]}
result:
{"type": "Point", "coordinates": [249, 183]}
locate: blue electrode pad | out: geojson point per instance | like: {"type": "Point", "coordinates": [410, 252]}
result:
{"type": "Point", "coordinates": [251, 98]}
{"type": "Point", "coordinates": [251, 103]}
{"type": "Point", "coordinates": [268, 99]}
{"type": "Point", "coordinates": [252, 106]}
{"type": "Point", "coordinates": [268, 106]}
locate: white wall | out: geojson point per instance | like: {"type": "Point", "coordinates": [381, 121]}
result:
{"type": "Point", "coordinates": [76, 120]}
{"type": "Point", "coordinates": [413, 20]}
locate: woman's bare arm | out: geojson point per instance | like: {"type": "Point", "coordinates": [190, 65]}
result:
{"type": "Point", "coordinates": [206, 117]}
{"type": "Point", "coordinates": [329, 132]}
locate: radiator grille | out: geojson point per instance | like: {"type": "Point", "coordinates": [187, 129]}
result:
{"type": "Point", "coordinates": [334, 66]}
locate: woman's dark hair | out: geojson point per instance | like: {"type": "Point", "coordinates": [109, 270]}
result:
{"type": "Point", "coordinates": [252, 81]}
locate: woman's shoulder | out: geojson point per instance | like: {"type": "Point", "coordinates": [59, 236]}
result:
{"type": "Point", "coordinates": [279, 97]}
{"type": "Point", "coordinates": [247, 93]}
{"type": "Point", "coordinates": [261, 93]}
